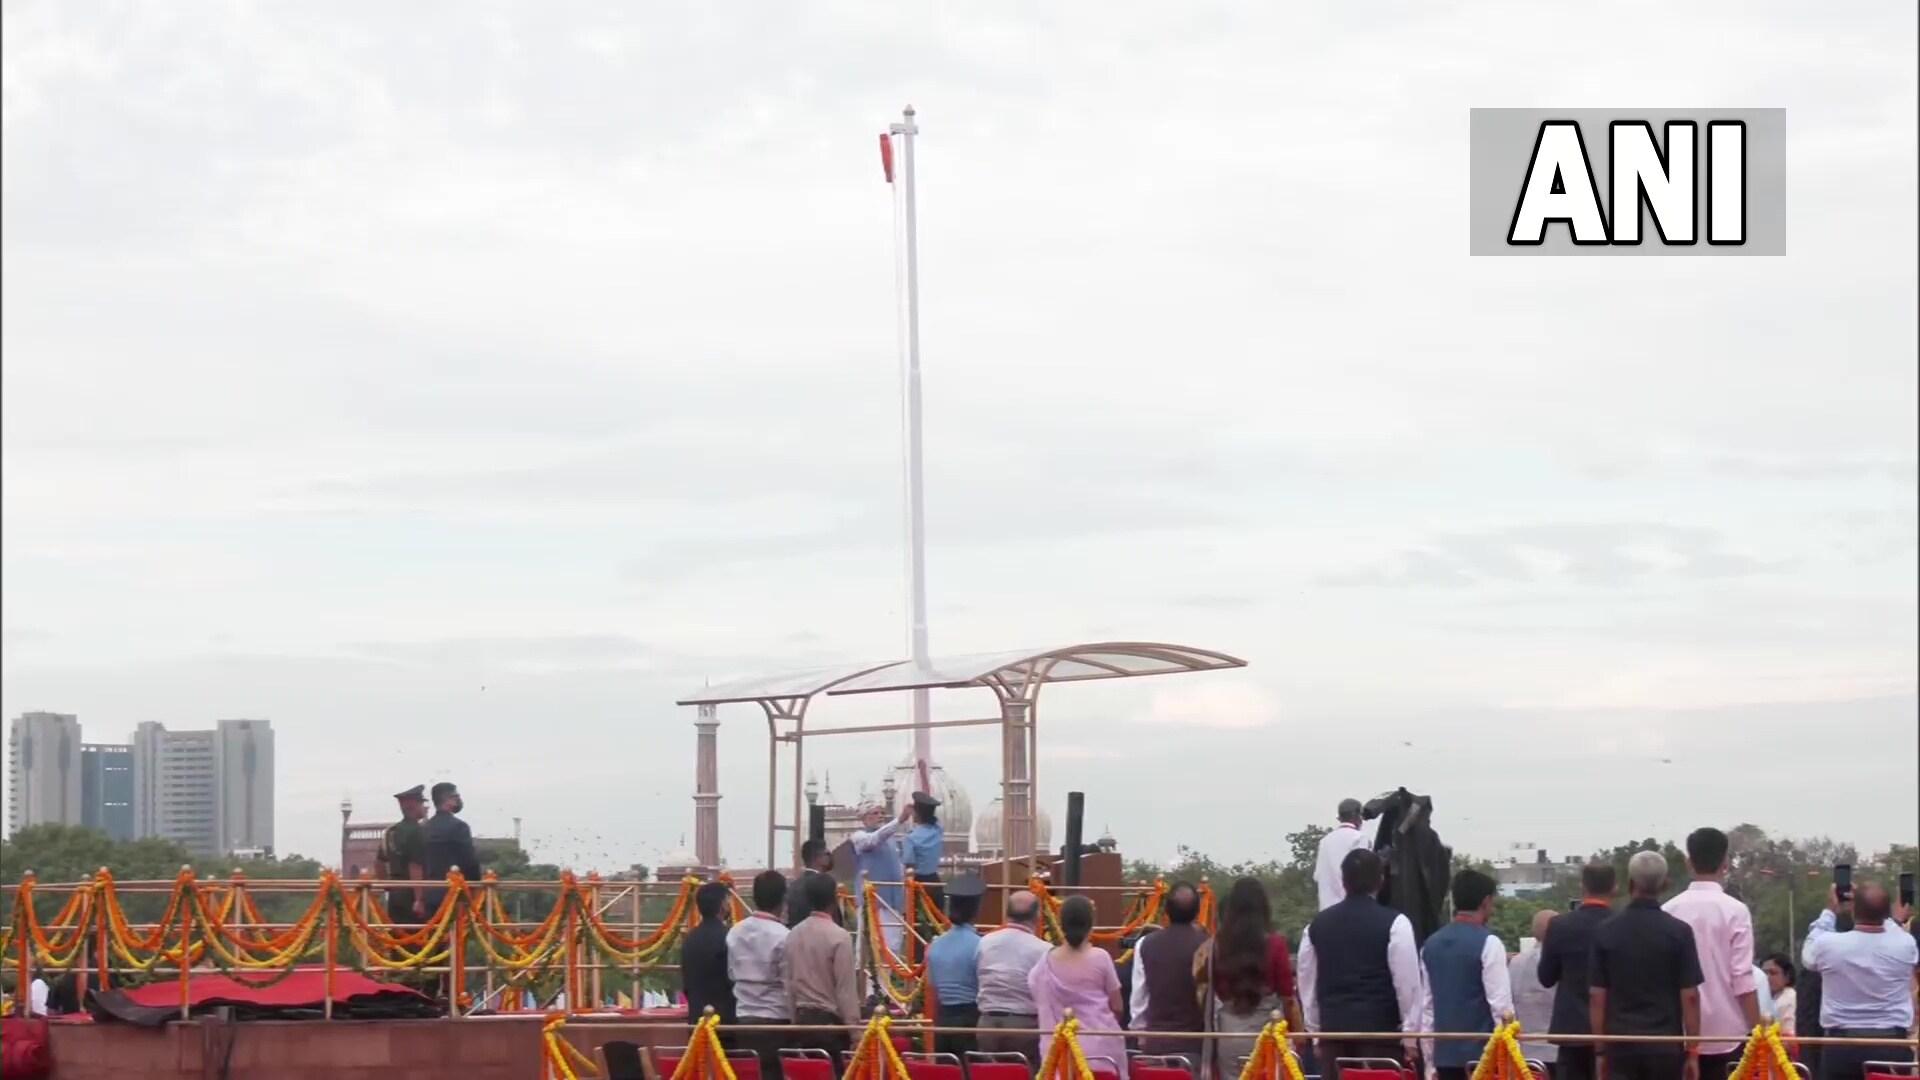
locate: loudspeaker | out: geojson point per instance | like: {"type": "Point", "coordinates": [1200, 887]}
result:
{"type": "Point", "coordinates": [816, 822]}
{"type": "Point", "coordinates": [1076, 815]}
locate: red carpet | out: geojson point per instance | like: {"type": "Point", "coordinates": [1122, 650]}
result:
{"type": "Point", "coordinates": [306, 987]}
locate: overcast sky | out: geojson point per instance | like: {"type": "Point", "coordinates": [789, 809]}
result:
{"type": "Point", "coordinates": [455, 385]}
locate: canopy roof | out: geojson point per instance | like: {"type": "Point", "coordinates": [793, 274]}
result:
{"type": "Point", "coordinates": [1072, 663]}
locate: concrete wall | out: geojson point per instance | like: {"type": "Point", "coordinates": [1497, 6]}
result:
{"type": "Point", "coordinates": [507, 1048]}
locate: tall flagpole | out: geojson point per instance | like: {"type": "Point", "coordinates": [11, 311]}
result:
{"type": "Point", "coordinates": [916, 493]}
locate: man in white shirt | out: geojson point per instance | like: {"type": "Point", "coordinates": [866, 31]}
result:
{"type": "Point", "coordinates": [877, 859]}
{"type": "Point", "coordinates": [1007, 957]}
{"type": "Point", "coordinates": [754, 948]}
{"type": "Point", "coordinates": [1334, 846]}
{"type": "Point", "coordinates": [1867, 978]}
{"type": "Point", "coordinates": [1532, 1002]}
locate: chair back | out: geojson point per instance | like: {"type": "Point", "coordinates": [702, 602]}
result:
{"type": "Point", "coordinates": [933, 1067]}
{"type": "Point", "coordinates": [1006, 1065]}
{"type": "Point", "coordinates": [620, 1060]}
{"type": "Point", "coordinates": [1371, 1069]}
{"type": "Point", "coordinates": [806, 1064]}
{"type": "Point", "coordinates": [1161, 1067]}
{"type": "Point", "coordinates": [744, 1063]}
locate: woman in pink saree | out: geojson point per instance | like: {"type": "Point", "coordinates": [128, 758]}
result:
{"type": "Point", "coordinates": [1080, 977]}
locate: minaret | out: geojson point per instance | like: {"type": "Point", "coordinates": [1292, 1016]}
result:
{"type": "Point", "coordinates": [706, 794]}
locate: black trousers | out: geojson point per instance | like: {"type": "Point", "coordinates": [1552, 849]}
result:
{"type": "Point", "coordinates": [1845, 1062]}
{"type": "Point", "coordinates": [764, 1044]}
{"type": "Point", "coordinates": [956, 1016]}
{"type": "Point", "coordinates": [1573, 1063]}
{"type": "Point", "coordinates": [835, 1042]}
{"type": "Point", "coordinates": [1661, 1063]}
{"type": "Point", "coordinates": [1716, 1066]}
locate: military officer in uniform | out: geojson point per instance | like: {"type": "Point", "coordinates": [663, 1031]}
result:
{"type": "Point", "coordinates": [923, 848]}
{"type": "Point", "coordinates": [402, 852]}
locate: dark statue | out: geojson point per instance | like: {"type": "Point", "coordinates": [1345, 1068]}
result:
{"type": "Point", "coordinates": [1418, 864]}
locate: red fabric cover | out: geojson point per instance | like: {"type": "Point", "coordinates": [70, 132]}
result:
{"type": "Point", "coordinates": [999, 1070]}
{"type": "Point", "coordinates": [302, 988]}
{"type": "Point", "coordinates": [25, 1051]}
{"type": "Point", "coordinates": [801, 1068]}
{"type": "Point", "coordinates": [933, 1070]}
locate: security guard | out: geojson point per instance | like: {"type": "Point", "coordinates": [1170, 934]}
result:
{"type": "Point", "coordinates": [953, 967]}
{"type": "Point", "coordinates": [402, 854]}
{"type": "Point", "coordinates": [447, 843]}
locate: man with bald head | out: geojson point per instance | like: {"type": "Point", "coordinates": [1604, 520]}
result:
{"type": "Point", "coordinates": [1007, 957]}
{"type": "Point", "coordinates": [1867, 977]}
{"type": "Point", "coordinates": [1532, 1002]}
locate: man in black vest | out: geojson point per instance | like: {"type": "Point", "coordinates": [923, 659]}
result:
{"type": "Point", "coordinates": [1360, 970]}
{"type": "Point", "coordinates": [1563, 967]}
{"type": "Point", "coordinates": [1164, 998]}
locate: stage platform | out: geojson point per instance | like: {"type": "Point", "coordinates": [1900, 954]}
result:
{"type": "Point", "coordinates": [475, 1048]}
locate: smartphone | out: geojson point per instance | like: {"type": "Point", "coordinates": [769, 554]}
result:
{"type": "Point", "coordinates": [1574, 904]}
{"type": "Point", "coordinates": [1906, 888]}
{"type": "Point", "coordinates": [1843, 880]}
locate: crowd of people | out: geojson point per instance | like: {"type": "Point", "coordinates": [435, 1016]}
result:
{"type": "Point", "coordinates": [1683, 971]}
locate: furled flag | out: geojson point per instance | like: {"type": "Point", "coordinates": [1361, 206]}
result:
{"type": "Point", "coordinates": [886, 155]}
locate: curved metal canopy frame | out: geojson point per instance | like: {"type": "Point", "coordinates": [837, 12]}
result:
{"type": "Point", "coordinates": [1015, 678]}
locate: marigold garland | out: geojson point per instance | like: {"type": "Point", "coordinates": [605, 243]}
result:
{"type": "Point", "coordinates": [1269, 1048]}
{"type": "Point", "coordinates": [1765, 1057]}
{"type": "Point", "coordinates": [876, 1042]}
{"type": "Point", "coordinates": [1064, 1054]}
{"type": "Point", "coordinates": [560, 1055]}
{"type": "Point", "coordinates": [1502, 1058]}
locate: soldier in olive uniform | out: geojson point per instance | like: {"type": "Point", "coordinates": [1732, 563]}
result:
{"type": "Point", "coordinates": [402, 850]}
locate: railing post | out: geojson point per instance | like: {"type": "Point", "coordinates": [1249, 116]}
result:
{"type": "Point", "coordinates": [183, 885]}
{"type": "Point", "coordinates": [570, 969]}
{"type": "Point", "coordinates": [22, 983]}
{"type": "Point", "coordinates": [457, 947]}
{"type": "Point", "coordinates": [333, 940]}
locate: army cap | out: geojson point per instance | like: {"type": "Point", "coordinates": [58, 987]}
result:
{"type": "Point", "coordinates": [416, 793]}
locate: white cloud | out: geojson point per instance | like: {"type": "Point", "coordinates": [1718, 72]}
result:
{"type": "Point", "coordinates": [1220, 703]}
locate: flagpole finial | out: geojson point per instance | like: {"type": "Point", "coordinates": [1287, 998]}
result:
{"type": "Point", "coordinates": [908, 110]}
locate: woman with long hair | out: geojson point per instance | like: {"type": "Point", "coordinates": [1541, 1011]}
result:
{"type": "Point", "coordinates": [1079, 976]}
{"type": "Point", "coordinates": [1251, 973]}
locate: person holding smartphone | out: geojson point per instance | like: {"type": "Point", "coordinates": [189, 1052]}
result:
{"type": "Point", "coordinates": [1867, 977]}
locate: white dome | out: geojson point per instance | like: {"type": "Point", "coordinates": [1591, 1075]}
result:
{"type": "Point", "coordinates": [956, 806]}
{"type": "Point", "coordinates": [987, 836]}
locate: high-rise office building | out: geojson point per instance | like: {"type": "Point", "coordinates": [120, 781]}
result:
{"type": "Point", "coordinates": [106, 789]}
{"type": "Point", "coordinates": [173, 788]}
{"type": "Point", "coordinates": [43, 771]}
{"type": "Point", "coordinates": [211, 791]}
{"type": "Point", "coordinates": [243, 764]}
